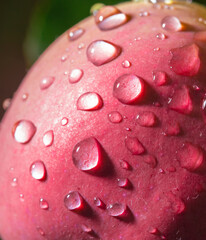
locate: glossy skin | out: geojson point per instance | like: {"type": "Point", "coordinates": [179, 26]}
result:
{"type": "Point", "coordinates": [166, 197]}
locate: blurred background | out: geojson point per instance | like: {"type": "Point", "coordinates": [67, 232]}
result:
{"type": "Point", "coordinates": [27, 28]}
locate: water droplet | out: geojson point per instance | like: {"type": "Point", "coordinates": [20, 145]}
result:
{"type": "Point", "coordinates": [117, 210]}
{"type": "Point", "coordinates": [200, 36]}
{"type": "Point", "coordinates": [129, 89]}
{"type": "Point", "coordinates": [171, 23]}
{"type": "Point", "coordinates": [43, 204]}
{"type": "Point", "coordinates": [98, 202]}
{"type": "Point", "coordinates": [23, 131]}
{"type": "Point", "coordinates": [123, 182]}
{"type": "Point", "coordinates": [64, 58]}
{"type": "Point", "coordinates": [40, 231]}
{"type": "Point", "coordinates": [14, 182]}
{"type": "Point", "coordinates": [156, 49]}
{"type": "Point", "coordinates": [64, 121]}
{"type": "Point", "coordinates": [126, 64]}
{"type": "Point", "coordinates": [38, 170]}
{"type": "Point", "coordinates": [87, 154]}
{"type": "Point", "coordinates": [160, 78]}
{"type": "Point", "coordinates": [46, 82]}
{"type": "Point", "coordinates": [161, 36]}
{"type": "Point", "coordinates": [181, 101]}
{"type": "Point", "coordinates": [48, 138]}
{"type": "Point", "coordinates": [124, 164]}
{"type": "Point", "coordinates": [115, 117]}
{"type": "Point", "coordinates": [172, 128]}
{"type": "Point", "coordinates": [25, 96]}
{"type": "Point", "coordinates": [74, 201]}
{"type": "Point", "coordinates": [134, 145]}
{"type": "Point", "coordinates": [81, 46]}
{"type": "Point", "coordinates": [76, 75]}
{"type": "Point", "coordinates": [144, 14]}
{"type": "Point", "coordinates": [150, 160]}
{"type": "Point", "coordinates": [176, 204]}
{"type": "Point", "coordinates": [101, 52]}
{"type": "Point", "coordinates": [128, 129]}
{"type": "Point", "coordinates": [109, 17]}
{"type": "Point", "coordinates": [75, 33]}
{"type": "Point", "coordinates": [86, 229]}
{"type": "Point", "coordinates": [191, 157]}
{"type": "Point", "coordinates": [6, 103]}
{"type": "Point", "coordinates": [146, 119]}
{"type": "Point", "coordinates": [204, 108]}
{"type": "Point", "coordinates": [89, 101]}
{"type": "Point", "coordinates": [21, 197]}
{"type": "Point", "coordinates": [185, 60]}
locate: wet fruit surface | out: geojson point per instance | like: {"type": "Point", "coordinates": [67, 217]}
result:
{"type": "Point", "coordinates": [105, 138]}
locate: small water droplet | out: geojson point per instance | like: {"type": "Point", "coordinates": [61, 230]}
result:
{"type": "Point", "coordinates": [23, 131]}
{"type": "Point", "coordinates": [129, 89]}
{"type": "Point", "coordinates": [14, 182]}
{"type": "Point", "coordinates": [144, 14]}
{"type": "Point", "coordinates": [172, 128]}
{"type": "Point", "coordinates": [75, 33]}
{"type": "Point", "coordinates": [160, 78]}
{"type": "Point", "coordinates": [134, 145]}
{"type": "Point", "coordinates": [64, 121]}
{"type": "Point", "coordinates": [46, 82]}
{"type": "Point", "coordinates": [191, 157]}
{"type": "Point", "coordinates": [86, 229]}
{"type": "Point", "coordinates": [101, 52]}
{"type": "Point", "coordinates": [21, 197]}
{"type": "Point", "coordinates": [48, 138]}
{"type": "Point", "coordinates": [115, 117]}
{"type": "Point", "coordinates": [43, 204]}
{"type": "Point", "coordinates": [181, 101]}
{"type": "Point", "coordinates": [204, 109]}
{"type": "Point", "coordinates": [200, 36]}
{"type": "Point", "coordinates": [156, 49]}
{"type": "Point", "coordinates": [146, 119]}
{"type": "Point", "coordinates": [123, 182]}
{"type": "Point", "coordinates": [150, 160]}
{"type": "Point", "coordinates": [124, 164]}
{"type": "Point", "coordinates": [89, 101]}
{"type": "Point", "coordinates": [76, 75]}
{"type": "Point", "coordinates": [25, 96]}
{"type": "Point", "coordinates": [185, 60]}
{"type": "Point", "coordinates": [98, 202]}
{"type": "Point", "coordinates": [161, 36]}
{"type": "Point", "coordinates": [81, 46]}
{"type": "Point", "coordinates": [109, 17]}
{"type": "Point", "coordinates": [126, 64]}
{"type": "Point", "coordinates": [6, 103]}
{"type": "Point", "coordinates": [171, 23]}
{"type": "Point", "coordinates": [87, 154]}
{"type": "Point", "coordinates": [40, 231]}
{"type": "Point", "coordinates": [74, 201]}
{"type": "Point", "coordinates": [117, 210]}
{"type": "Point", "coordinates": [38, 170]}
{"type": "Point", "coordinates": [64, 58]}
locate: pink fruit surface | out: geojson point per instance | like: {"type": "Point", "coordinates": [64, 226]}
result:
{"type": "Point", "coordinates": [110, 140]}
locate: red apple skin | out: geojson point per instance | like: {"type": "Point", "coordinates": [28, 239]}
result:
{"type": "Point", "coordinates": [167, 197]}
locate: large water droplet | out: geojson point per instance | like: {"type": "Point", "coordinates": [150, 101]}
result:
{"type": "Point", "coordinates": [109, 17]}
{"type": "Point", "coordinates": [181, 101]}
{"type": "Point", "coordinates": [89, 101]}
{"type": "Point", "coordinates": [191, 157]}
{"type": "Point", "coordinates": [74, 201]}
{"type": "Point", "coordinates": [134, 145]}
{"type": "Point", "coordinates": [146, 119]}
{"type": "Point", "coordinates": [150, 160]}
{"type": "Point", "coordinates": [101, 52]}
{"type": "Point", "coordinates": [46, 82]}
{"type": "Point", "coordinates": [185, 60]}
{"type": "Point", "coordinates": [98, 202]}
{"type": "Point", "coordinates": [200, 36]}
{"type": "Point", "coordinates": [115, 117]}
{"type": "Point", "coordinates": [87, 154]}
{"type": "Point", "coordinates": [6, 103]}
{"type": "Point", "coordinates": [117, 210]}
{"type": "Point", "coordinates": [38, 170]}
{"type": "Point", "coordinates": [43, 204]}
{"type": "Point", "coordinates": [75, 33]}
{"type": "Point", "coordinates": [160, 78]}
{"type": "Point", "coordinates": [48, 138]}
{"type": "Point", "coordinates": [76, 75]}
{"type": "Point", "coordinates": [129, 89]}
{"type": "Point", "coordinates": [172, 128]}
{"type": "Point", "coordinates": [23, 131]}
{"type": "Point", "coordinates": [171, 23]}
